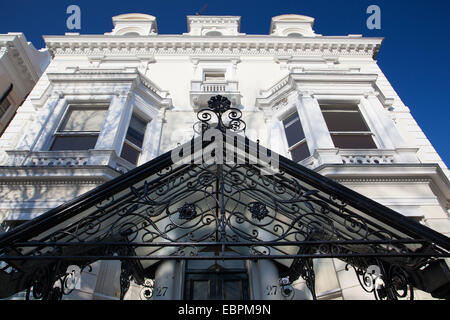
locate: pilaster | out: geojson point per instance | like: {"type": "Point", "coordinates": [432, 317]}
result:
{"type": "Point", "coordinates": [117, 112]}
{"type": "Point", "coordinates": [152, 138]}
{"type": "Point", "coordinates": [317, 133]}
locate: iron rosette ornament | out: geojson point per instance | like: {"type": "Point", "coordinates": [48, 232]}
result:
{"type": "Point", "coordinates": [220, 115]}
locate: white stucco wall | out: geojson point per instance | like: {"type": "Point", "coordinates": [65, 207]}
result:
{"type": "Point", "coordinates": [275, 75]}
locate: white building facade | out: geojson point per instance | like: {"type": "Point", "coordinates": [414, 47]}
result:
{"type": "Point", "coordinates": [21, 66]}
{"type": "Point", "coordinates": [109, 103]}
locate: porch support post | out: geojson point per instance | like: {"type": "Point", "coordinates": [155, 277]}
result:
{"type": "Point", "coordinates": [270, 280]}
{"type": "Point", "coordinates": [168, 281]}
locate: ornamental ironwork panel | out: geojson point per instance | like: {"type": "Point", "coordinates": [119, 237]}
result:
{"type": "Point", "coordinates": [165, 210]}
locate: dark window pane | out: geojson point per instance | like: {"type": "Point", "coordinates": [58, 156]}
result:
{"type": "Point", "coordinates": [214, 76]}
{"type": "Point", "coordinates": [77, 142]}
{"type": "Point", "coordinates": [136, 131]}
{"type": "Point", "coordinates": [129, 153]}
{"type": "Point", "coordinates": [353, 141]}
{"type": "Point", "coordinates": [345, 121]}
{"type": "Point", "coordinates": [301, 152]}
{"type": "Point", "coordinates": [232, 290]}
{"type": "Point", "coordinates": [4, 107]}
{"type": "Point", "coordinates": [200, 290]}
{"type": "Point", "coordinates": [293, 129]}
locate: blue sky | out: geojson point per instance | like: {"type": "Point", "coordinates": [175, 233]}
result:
{"type": "Point", "coordinates": [415, 55]}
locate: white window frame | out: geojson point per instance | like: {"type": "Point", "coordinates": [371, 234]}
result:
{"type": "Point", "coordinates": [361, 111]}
{"type": "Point", "coordinates": [282, 118]}
{"type": "Point", "coordinates": [148, 113]}
{"type": "Point", "coordinates": [212, 71]}
{"type": "Point", "coordinates": [146, 118]}
{"type": "Point", "coordinates": [68, 106]}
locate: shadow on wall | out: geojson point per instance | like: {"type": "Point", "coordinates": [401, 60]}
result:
{"type": "Point", "coordinates": [27, 200]}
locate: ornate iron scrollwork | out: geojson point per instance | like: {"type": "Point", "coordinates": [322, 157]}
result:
{"type": "Point", "coordinates": [391, 284]}
{"type": "Point", "coordinates": [397, 285]}
{"type": "Point", "coordinates": [127, 270]}
{"type": "Point", "coordinates": [220, 115]}
{"type": "Point", "coordinates": [126, 275]}
{"type": "Point", "coordinates": [304, 268]}
{"type": "Point", "coordinates": [228, 205]}
{"type": "Point", "coordinates": [308, 274]}
{"type": "Point", "coordinates": [47, 283]}
{"type": "Point", "coordinates": [40, 284]}
{"type": "Point", "coordinates": [370, 277]}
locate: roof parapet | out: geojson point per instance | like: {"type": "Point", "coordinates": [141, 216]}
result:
{"type": "Point", "coordinates": [134, 24]}
{"type": "Point", "coordinates": [292, 25]}
{"type": "Point", "coordinates": [214, 26]}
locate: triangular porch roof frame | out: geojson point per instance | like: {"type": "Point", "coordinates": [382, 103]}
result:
{"type": "Point", "coordinates": [398, 242]}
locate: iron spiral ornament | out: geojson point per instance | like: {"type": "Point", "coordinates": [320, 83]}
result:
{"type": "Point", "coordinates": [220, 115]}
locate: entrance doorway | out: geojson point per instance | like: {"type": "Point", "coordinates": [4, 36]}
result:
{"type": "Point", "coordinates": [216, 283]}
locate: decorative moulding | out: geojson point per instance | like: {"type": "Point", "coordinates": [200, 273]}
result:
{"type": "Point", "coordinates": [250, 45]}
{"type": "Point", "coordinates": [392, 172]}
{"type": "Point", "coordinates": [311, 83]}
{"type": "Point", "coordinates": [220, 25]}
{"type": "Point", "coordinates": [105, 78]}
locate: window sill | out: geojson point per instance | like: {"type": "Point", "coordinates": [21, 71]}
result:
{"type": "Point", "coordinates": [68, 159]}
{"type": "Point", "coordinates": [365, 156]}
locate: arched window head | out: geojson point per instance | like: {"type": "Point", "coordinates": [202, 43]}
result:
{"type": "Point", "coordinates": [213, 34]}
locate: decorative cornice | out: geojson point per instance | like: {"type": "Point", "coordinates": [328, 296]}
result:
{"type": "Point", "coordinates": [35, 181]}
{"type": "Point", "coordinates": [214, 19]}
{"type": "Point", "coordinates": [365, 180]}
{"type": "Point", "coordinates": [124, 75]}
{"type": "Point", "coordinates": [431, 173]}
{"type": "Point", "coordinates": [281, 89]}
{"type": "Point", "coordinates": [23, 55]}
{"type": "Point", "coordinates": [225, 45]}
{"type": "Point", "coordinates": [11, 50]}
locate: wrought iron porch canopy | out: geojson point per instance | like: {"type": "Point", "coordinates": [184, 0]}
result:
{"type": "Point", "coordinates": [165, 210]}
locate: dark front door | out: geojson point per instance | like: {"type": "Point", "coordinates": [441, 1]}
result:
{"type": "Point", "coordinates": [216, 285]}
